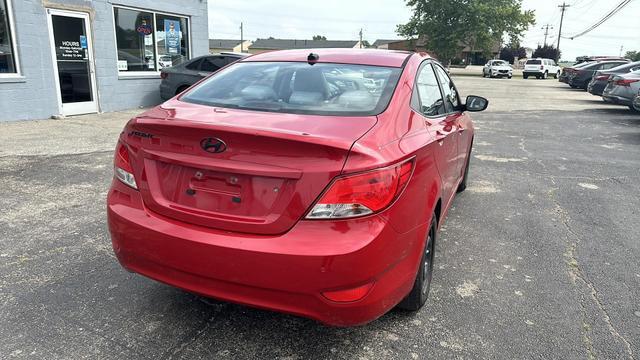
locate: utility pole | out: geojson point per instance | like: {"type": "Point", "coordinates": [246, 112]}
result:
{"type": "Point", "coordinates": [546, 32]}
{"type": "Point", "coordinates": [241, 37]}
{"type": "Point", "coordinates": [360, 38]}
{"type": "Point", "coordinates": [564, 7]}
{"type": "Point", "coordinates": [621, 50]}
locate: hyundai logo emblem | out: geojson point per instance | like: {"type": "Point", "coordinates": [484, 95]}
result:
{"type": "Point", "coordinates": [213, 145]}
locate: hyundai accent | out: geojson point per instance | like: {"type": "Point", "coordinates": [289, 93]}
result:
{"type": "Point", "coordinates": [307, 183]}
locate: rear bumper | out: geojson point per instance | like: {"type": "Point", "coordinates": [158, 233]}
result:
{"type": "Point", "coordinates": [615, 99]}
{"type": "Point", "coordinates": [532, 73]}
{"type": "Point", "coordinates": [286, 273]}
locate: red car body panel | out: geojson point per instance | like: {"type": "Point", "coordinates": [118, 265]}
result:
{"type": "Point", "coordinates": [261, 251]}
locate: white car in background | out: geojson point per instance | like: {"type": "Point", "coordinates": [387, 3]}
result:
{"type": "Point", "coordinates": [541, 68]}
{"type": "Point", "coordinates": [497, 68]}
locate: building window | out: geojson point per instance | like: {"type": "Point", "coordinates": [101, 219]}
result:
{"type": "Point", "coordinates": [148, 41]}
{"type": "Point", "coordinates": [8, 60]}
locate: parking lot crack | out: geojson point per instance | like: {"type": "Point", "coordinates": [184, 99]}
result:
{"type": "Point", "coordinates": [578, 277]}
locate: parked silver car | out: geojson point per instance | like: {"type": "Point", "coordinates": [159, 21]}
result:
{"type": "Point", "coordinates": [177, 79]}
{"type": "Point", "coordinates": [621, 89]}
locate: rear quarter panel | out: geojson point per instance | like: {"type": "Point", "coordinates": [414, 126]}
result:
{"type": "Point", "coordinates": [401, 134]}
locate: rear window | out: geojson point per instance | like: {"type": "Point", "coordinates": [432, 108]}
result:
{"type": "Point", "coordinates": [300, 88]}
{"type": "Point", "coordinates": [533, 62]}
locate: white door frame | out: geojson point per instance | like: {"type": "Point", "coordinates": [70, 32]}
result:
{"type": "Point", "coordinates": [77, 108]}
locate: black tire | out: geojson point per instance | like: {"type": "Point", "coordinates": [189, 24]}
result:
{"type": "Point", "coordinates": [509, 77]}
{"type": "Point", "coordinates": [634, 109]}
{"type": "Point", "coordinates": [420, 291]}
{"type": "Point", "coordinates": [538, 77]}
{"type": "Point", "coordinates": [463, 183]}
{"type": "Point", "coordinates": [525, 76]}
{"type": "Point", "coordinates": [545, 75]}
{"type": "Point", "coordinates": [557, 75]}
{"type": "Point", "coordinates": [181, 89]}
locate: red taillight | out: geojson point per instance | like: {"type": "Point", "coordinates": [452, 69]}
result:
{"type": "Point", "coordinates": [164, 75]}
{"type": "Point", "coordinates": [122, 166]}
{"type": "Point", "coordinates": [626, 82]}
{"type": "Point", "coordinates": [362, 194]}
{"type": "Point", "coordinates": [602, 77]}
{"type": "Point", "coordinates": [541, 67]}
{"type": "Point", "coordinates": [348, 295]}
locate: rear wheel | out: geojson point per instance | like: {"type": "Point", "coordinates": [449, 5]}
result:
{"type": "Point", "coordinates": [545, 75]}
{"type": "Point", "coordinates": [557, 75]}
{"type": "Point", "coordinates": [420, 291]}
{"type": "Point", "coordinates": [525, 76]}
{"type": "Point", "coordinates": [634, 109]}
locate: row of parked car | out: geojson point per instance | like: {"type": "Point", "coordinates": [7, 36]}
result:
{"type": "Point", "coordinates": [539, 68]}
{"type": "Point", "coordinates": [616, 80]}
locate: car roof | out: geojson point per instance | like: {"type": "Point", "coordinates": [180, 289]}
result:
{"type": "Point", "coordinates": [375, 57]}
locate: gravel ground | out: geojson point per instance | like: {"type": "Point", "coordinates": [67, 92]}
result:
{"type": "Point", "coordinates": [539, 258]}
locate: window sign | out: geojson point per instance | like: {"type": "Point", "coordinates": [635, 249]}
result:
{"type": "Point", "coordinates": [149, 41]}
{"type": "Point", "coordinates": [172, 36]}
{"type": "Point", "coordinates": [83, 41]}
{"type": "Point", "coordinates": [69, 50]}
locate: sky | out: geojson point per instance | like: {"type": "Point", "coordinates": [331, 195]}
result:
{"type": "Point", "coordinates": [343, 19]}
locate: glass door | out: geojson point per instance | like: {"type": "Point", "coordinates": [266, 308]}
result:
{"type": "Point", "coordinates": [73, 61]}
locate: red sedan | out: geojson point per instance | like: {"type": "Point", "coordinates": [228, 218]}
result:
{"type": "Point", "coordinates": [312, 184]}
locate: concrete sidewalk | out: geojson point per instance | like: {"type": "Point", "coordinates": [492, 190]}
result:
{"type": "Point", "coordinates": [73, 135]}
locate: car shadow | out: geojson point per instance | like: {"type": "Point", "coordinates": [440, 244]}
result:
{"type": "Point", "coordinates": [230, 325]}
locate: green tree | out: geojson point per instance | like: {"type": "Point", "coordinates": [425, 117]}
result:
{"type": "Point", "coordinates": [547, 52]}
{"type": "Point", "coordinates": [450, 25]}
{"type": "Point", "coordinates": [633, 55]}
{"type": "Point", "coordinates": [511, 52]}
{"type": "Point", "coordinates": [319, 37]}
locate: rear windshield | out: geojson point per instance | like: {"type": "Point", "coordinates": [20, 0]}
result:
{"type": "Point", "coordinates": [534, 62]}
{"type": "Point", "coordinates": [300, 88]}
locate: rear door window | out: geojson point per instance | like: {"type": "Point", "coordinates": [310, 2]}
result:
{"type": "Point", "coordinates": [213, 63]}
{"type": "Point", "coordinates": [194, 65]}
{"type": "Point", "coordinates": [427, 98]}
{"type": "Point", "coordinates": [533, 62]}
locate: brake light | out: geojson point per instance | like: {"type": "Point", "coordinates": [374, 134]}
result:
{"type": "Point", "coordinates": [164, 75]}
{"type": "Point", "coordinates": [362, 194]}
{"type": "Point", "coordinates": [626, 82]}
{"type": "Point", "coordinates": [122, 166]}
{"type": "Point", "coordinates": [541, 67]}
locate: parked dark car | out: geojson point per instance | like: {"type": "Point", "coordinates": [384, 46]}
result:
{"type": "Point", "coordinates": [622, 89]}
{"type": "Point", "coordinates": [601, 77]}
{"type": "Point", "coordinates": [581, 78]}
{"type": "Point", "coordinates": [567, 71]}
{"type": "Point", "coordinates": [177, 79]}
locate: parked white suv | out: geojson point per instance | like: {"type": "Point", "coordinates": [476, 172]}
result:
{"type": "Point", "coordinates": [541, 68]}
{"type": "Point", "coordinates": [497, 68]}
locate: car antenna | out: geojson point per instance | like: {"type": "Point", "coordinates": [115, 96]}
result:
{"type": "Point", "coordinates": [312, 58]}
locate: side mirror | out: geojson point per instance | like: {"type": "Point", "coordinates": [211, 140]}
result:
{"type": "Point", "coordinates": [476, 103]}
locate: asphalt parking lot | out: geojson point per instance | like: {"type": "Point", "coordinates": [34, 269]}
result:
{"type": "Point", "coordinates": [539, 258]}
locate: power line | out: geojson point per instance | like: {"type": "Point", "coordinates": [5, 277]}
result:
{"type": "Point", "coordinates": [601, 21]}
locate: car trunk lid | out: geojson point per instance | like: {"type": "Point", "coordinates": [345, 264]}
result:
{"type": "Point", "coordinates": [260, 173]}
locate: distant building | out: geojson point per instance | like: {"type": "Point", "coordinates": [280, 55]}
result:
{"type": "Point", "coordinates": [383, 43]}
{"type": "Point", "coordinates": [228, 45]}
{"type": "Point", "coordinates": [467, 55]}
{"type": "Point", "coordinates": [262, 45]}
